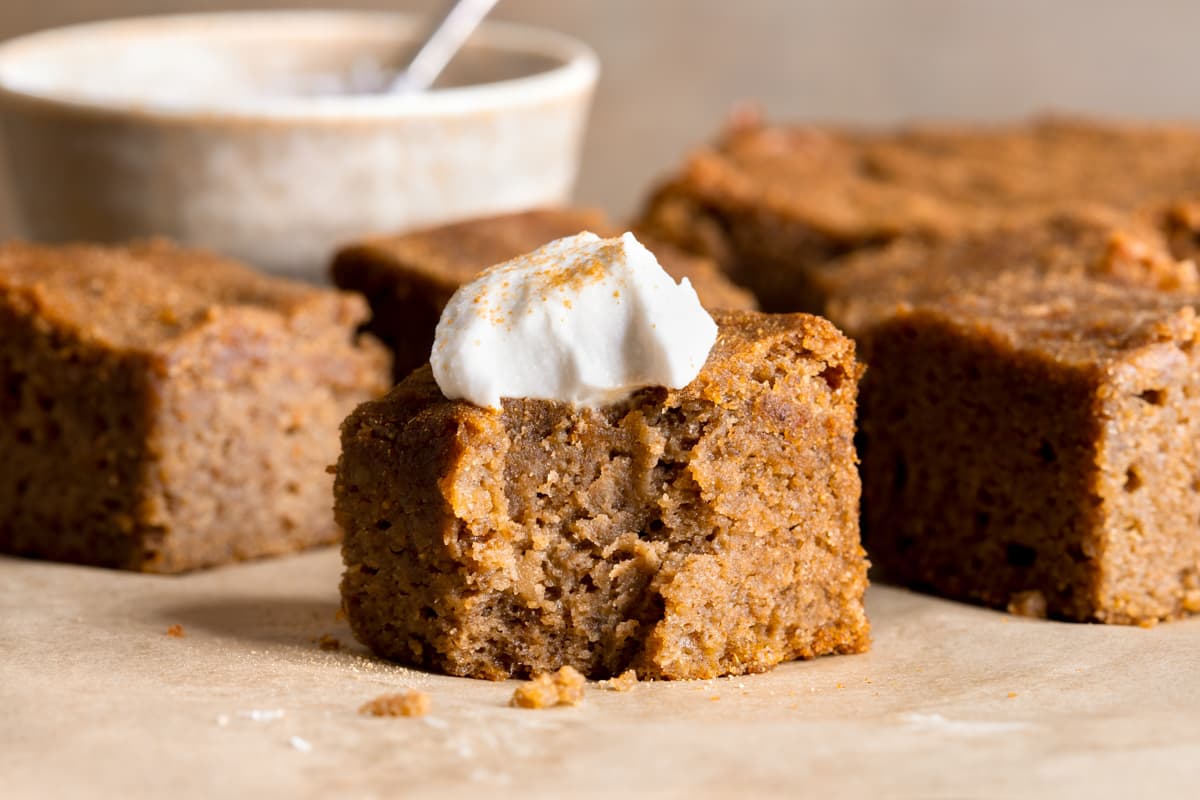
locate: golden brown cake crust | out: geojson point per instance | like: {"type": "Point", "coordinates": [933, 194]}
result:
{"type": "Point", "coordinates": [693, 533]}
{"type": "Point", "coordinates": [770, 203]}
{"type": "Point", "coordinates": [166, 409]}
{"type": "Point", "coordinates": [409, 278]}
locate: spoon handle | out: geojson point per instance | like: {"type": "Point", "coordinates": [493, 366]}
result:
{"type": "Point", "coordinates": [451, 30]}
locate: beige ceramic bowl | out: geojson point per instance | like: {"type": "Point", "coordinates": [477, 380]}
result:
{"type": "Point", "coordinates": [236, 132]}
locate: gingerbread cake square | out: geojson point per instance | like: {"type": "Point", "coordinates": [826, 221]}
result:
{"type": "Point", "coordinates": [771, 204]}
{"type": "Point", "coordinates": [164, 409]}
{"type": "Point", "coordinates": [687, 533]}
{"type": "Point", "coordinates": [408, 278]}
{"type": "Point", "coordinates": [1032, 441]}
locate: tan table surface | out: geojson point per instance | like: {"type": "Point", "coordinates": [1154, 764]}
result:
{"type": "Point", "coordinates": [953, 701]}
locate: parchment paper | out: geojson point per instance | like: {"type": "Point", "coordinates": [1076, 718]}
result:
{"type": "Point", "coordinates": [952, 701]}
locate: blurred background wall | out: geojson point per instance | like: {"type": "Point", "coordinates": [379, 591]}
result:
{"type": "Point", "coordinates": [673, 68]}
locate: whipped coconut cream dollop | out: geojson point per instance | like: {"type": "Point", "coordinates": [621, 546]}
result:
{"type": "Point", "coordinates": [581, 320]}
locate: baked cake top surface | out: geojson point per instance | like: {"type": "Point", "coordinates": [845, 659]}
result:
{"type": "Point", "coordinates": [1071, 318]}
{"type": "Point", "coordinates": [862, 184]}
{"type": "Point", "coordinates": [453, 254]}
{"type": "Point", "coordinates": [1083, 288]}
{"type": "Point", "coordinates": [1098, 244]}
{"type": "Point", "coordinates": [447, 256]}
{"type": "Point", "coordinates": [1067, 319]}
{"type": "Point", "coordinates": [145, 294]}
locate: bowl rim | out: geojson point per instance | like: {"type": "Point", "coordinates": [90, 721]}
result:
{"type": "Point", "coordinates": [576, 71]}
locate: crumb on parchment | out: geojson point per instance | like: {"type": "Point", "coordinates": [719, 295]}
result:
{"type": "Point", "coordinates": [624, 682]}
{"type": "Point", "coordinates": [176, 631]}
{"type": "Point", "coordinates": [562, 688]}
{"type": "Point", "coordinates": [406, 704]}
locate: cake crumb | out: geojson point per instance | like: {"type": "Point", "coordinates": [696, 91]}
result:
{"type": "Point", "coordinates": [624, 682]}
{"type": "Point", "coordinates": [562, 688]}
{"type": "Point", "coordinates": [340, 616]}
{"type": "Point", "coordinates": [327, 642]}
{"type": "Point", "coordinates": [1011, 695]}
{"type": "Point", "coordinates": [176, 631]}
{"type": "Point", "coordinates": [1030, 603]}
{"type": "Point", "coordinates": [408, 704]}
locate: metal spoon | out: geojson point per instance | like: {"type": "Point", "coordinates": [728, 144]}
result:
{"type": "Point", "coordinates": [449, 32]}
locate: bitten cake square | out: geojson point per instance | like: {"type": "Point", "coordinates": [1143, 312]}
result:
{"type": "Point", "coordinates": [1034, 442]}
{"type": "Point", "coordinates": [687, 533]}
{"type": "Point", "coordinates": [408, 278]}
{"type": "Point", "coordinates": [164, 409]}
